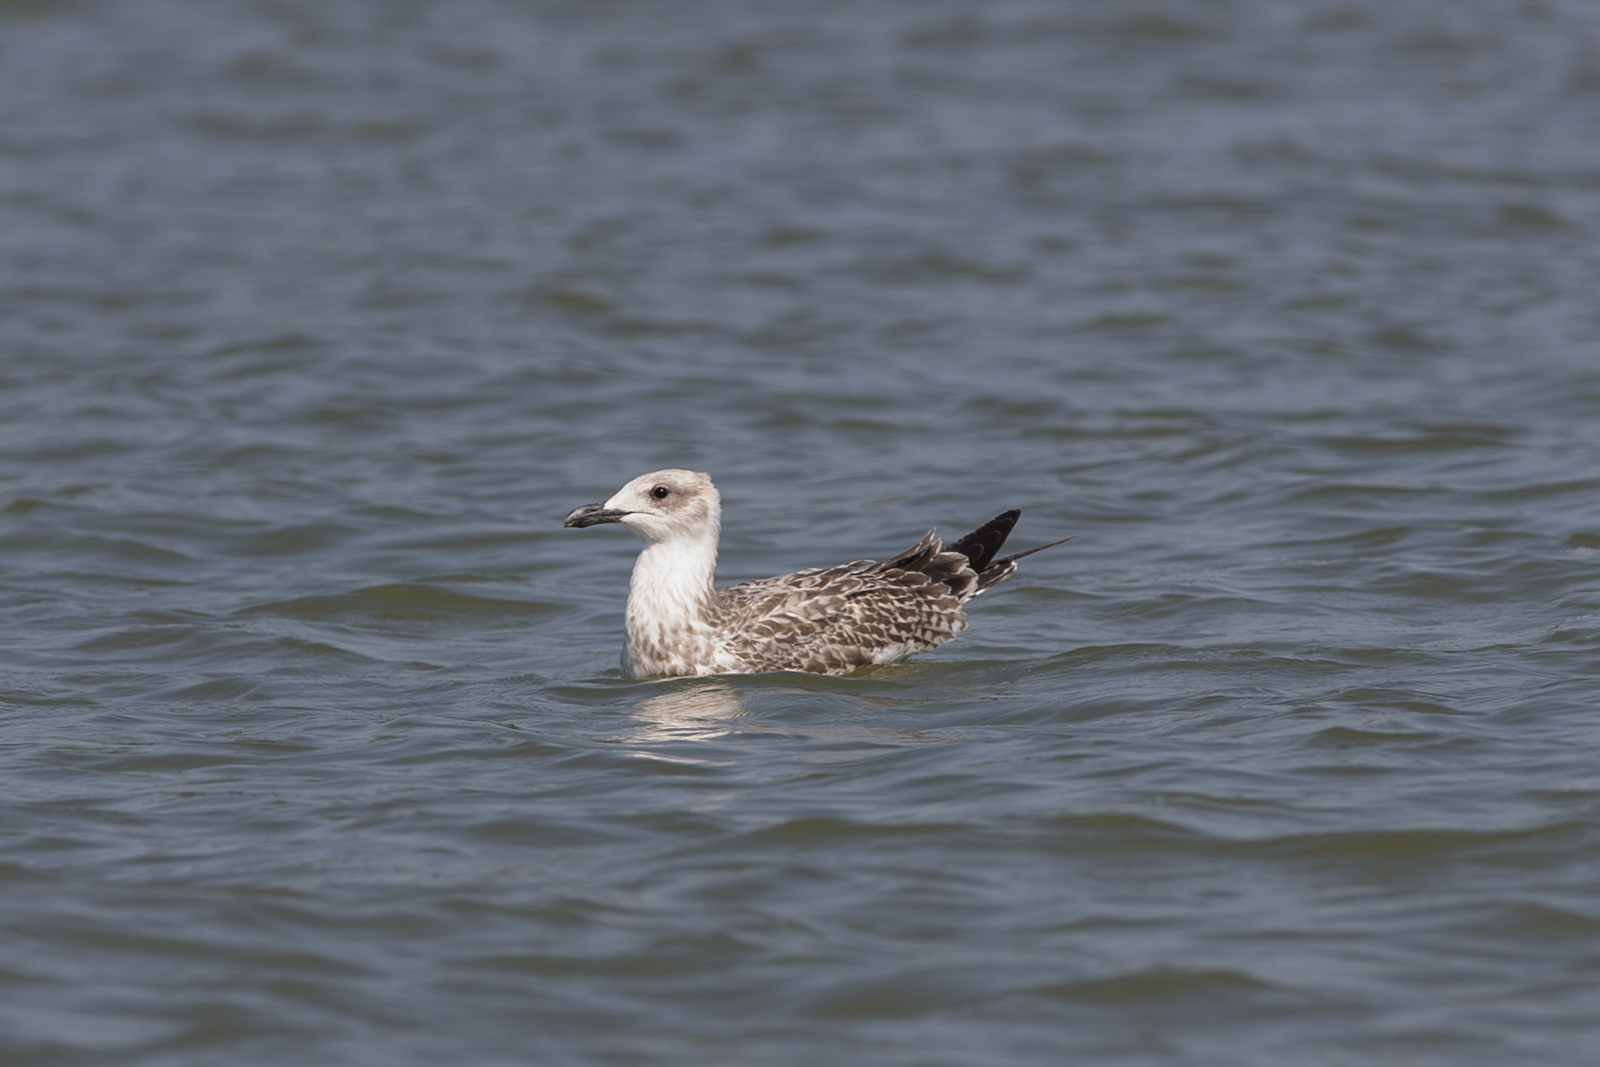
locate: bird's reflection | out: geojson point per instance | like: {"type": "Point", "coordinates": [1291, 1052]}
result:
{"type": "Point", "coordinates": [690, 711]}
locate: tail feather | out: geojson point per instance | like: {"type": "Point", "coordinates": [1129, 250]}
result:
{"type": "Point", "coordinates": [1001, 569]}
{"type": "Point", "coordinates": [1031, 551]}
{"type": "Point", "coordinates": [967, 566]}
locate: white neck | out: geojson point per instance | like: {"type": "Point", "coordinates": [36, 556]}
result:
{"type": "Point", "coordinates": [671, 607]}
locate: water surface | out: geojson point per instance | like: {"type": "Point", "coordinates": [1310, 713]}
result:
{"type": "Point", "coordinates": [318, 316]}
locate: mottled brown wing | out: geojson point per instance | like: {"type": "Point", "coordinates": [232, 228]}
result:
{"type": "Point", "coordinates": [835, 619]}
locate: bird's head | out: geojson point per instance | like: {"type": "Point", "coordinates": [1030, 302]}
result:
{"type": "Point", "coordinates": [665, 505]}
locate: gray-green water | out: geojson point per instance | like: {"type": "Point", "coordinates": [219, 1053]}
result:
{"type": "Point", "coordinates": [317, 315]}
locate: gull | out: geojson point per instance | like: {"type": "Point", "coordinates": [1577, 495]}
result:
{"type": "Point", "coordinates": [825, 620]}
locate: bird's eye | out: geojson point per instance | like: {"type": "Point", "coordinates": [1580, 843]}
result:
{"type": "Point", "coordinates": [660, 492]}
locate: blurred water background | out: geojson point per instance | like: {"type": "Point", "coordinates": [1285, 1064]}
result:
{"type": "Point", "coordinates": [317, 315]}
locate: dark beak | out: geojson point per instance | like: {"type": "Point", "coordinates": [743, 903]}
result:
{"type": "Point", "coordinates": [593, 515]}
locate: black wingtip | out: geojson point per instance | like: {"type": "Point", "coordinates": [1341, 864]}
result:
{"type": "Point", "coordinates": [981, 544]}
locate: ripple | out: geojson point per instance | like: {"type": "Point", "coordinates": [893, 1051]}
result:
{"type": "Point", "coordinates": [1160, 986]}
{"type": "Point", "coordinates": [401, 601]}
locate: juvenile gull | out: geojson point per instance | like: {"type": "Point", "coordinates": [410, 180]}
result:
{"type": "Point", "coordinates": [823, 620]}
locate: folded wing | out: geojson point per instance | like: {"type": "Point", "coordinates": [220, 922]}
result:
{"type": "Point", "coordinates": [835, 619]}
